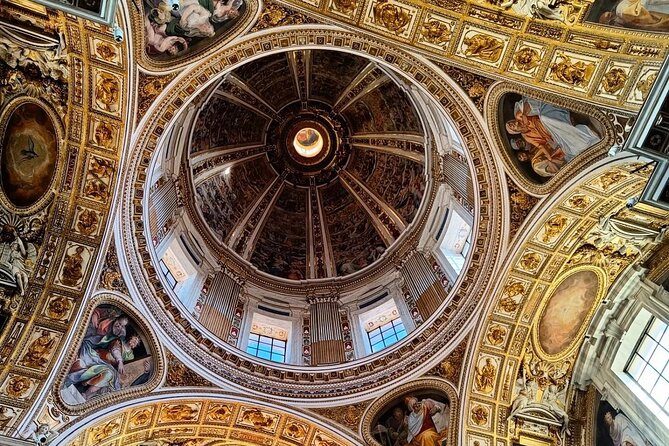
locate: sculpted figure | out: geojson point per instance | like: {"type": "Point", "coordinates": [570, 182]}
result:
{"type": "Point", "coordinates": [485, 376]}
{"type": "Point", "coordinates": [73, 266]}
{"type": "Point", "coordinates": [483, 47]}
{"type": "Point", "coordinates": [39, 350]}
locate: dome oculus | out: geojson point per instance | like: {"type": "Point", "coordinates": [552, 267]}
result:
{"type": "Point", "coordinates": [308, 142]}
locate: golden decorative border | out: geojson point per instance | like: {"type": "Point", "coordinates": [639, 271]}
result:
{"type": "Point", "coordinates": [121, 395]}
{"type": "Point", "coordinates": [636, 47]}
{"type": "Point", "coordinates": [432, 383]}
{"type": "Point", "coordinates": [77, 431]}
{"type": "Point", "coordinates": [61, 152]}
{"type": "Point", "coordinates": [595, 153]}
{"type": "Point", "coordinates": [602, 286]}
{"type": "Point", "coordinates": [608, 187]}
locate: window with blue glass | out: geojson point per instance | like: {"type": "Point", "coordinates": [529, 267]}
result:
{"type": "Point", "coordinates": [266, 347]}
{"type": "Point", "coordinates": [387, 334]}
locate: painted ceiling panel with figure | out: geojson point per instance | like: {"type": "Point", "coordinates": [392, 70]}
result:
{"type": "Point", "coordinates": [385, 109]}
{"type": "Point", "coordinates": [224, 123]}
{"type": "Point", "coordinates": [281, 249]}
{"type": "Point", "coordinates": [272, 78]}
{"type": "Point", "coordinates": [332, 73]}
{"type": "Point", "coordinates": [224, 199]}
{"type": "Point", "coordinates": [400, 182]}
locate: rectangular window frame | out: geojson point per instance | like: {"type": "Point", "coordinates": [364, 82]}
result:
{"type": "Point", "coordinates": [662, 374]}
{"type": "Point", "coordinates": [272, 347]}
{"type": "Point", "coordinates": [384, 333]}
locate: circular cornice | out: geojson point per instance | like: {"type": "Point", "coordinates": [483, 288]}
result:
{"type": "Point", "coordinates": [222, 363]}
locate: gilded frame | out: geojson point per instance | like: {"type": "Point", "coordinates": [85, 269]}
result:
{"type": "Point", "coordinates": [602, 286]}
{"type": "Point", "coordinates": [581, 161]}
{"type": "Point", "coordinates": [56, 177]}
{"type": "Point", "coordinates": [431, 383]}
{"type": "Point", "coordinates": [121, 395]}
{"type": "Point", "coordinates": [153, 66]}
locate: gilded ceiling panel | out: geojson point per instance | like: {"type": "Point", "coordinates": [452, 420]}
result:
{"type": "Point", "coordinates": [54, 237]}
{"type": "Point", "coordinates": [590, 50]}
{"type": "Point", "coordinates": [527, 348]}
{"type": "Point", "coordinates": [199, 421]}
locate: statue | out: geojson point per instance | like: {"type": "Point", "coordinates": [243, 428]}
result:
{"type": "Point", "coordinates": [485, 376]}
{"type": "Point", "coordinates": [553, 400]}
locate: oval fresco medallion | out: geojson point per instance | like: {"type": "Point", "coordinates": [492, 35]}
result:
{"type": "Point", "coordinates": [567, 310]}
{"type": "Point", "coordinates": [29, 152]}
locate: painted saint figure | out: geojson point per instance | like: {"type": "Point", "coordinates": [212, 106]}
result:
{"type": "Point", "coordinates": [110, 358]}
{"type": "Point", "coordinates": [547, 137]}
{"type": "Point", "coordinates": [427, 421]}
{"type": "Point", "coordinates": [622, 431]}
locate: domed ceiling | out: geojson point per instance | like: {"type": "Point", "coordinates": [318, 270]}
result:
{"type": "Point", "coordinates": [307, 164]}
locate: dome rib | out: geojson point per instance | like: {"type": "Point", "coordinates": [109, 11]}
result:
{"type": "Point", "coordinates": [291, 212]}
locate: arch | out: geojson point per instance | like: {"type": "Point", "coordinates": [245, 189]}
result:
{"type": "Point", "coordinates": [214, 415]}
{"type": "Point", "coordinates": [537, 259]}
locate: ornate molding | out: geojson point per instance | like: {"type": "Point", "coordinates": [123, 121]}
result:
{"type": "Point", "coordinates": [219, 360]}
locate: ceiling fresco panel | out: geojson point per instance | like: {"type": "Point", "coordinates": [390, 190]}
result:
{"type": "Point", "coordinates": [566, 310]}
{"type": "Point", "coordinates": [400, 182]}
{"type": "Point", "coordinates": [385, 109]}
{"type": "Point", "coordinates": [331, 73]}
{"type": "Point", "coordinates": [271, 78]}
{"type": "Point", "coordinates": [172, 37]}
{"type": "Point", "coordinates": [281, 248]}
{"type": "Point", "coordinates": [226, 124]}
{"type": "Point", "coordinates": [29, 154]}
{"type": "Point", "coordinates": [363, 164]}
{"type": "Point", "coordinates": [354, 239]}
{"type": "Point", "coordinates": [544, 138]}
{"type": "Point", "coordinates": [225, 198]}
